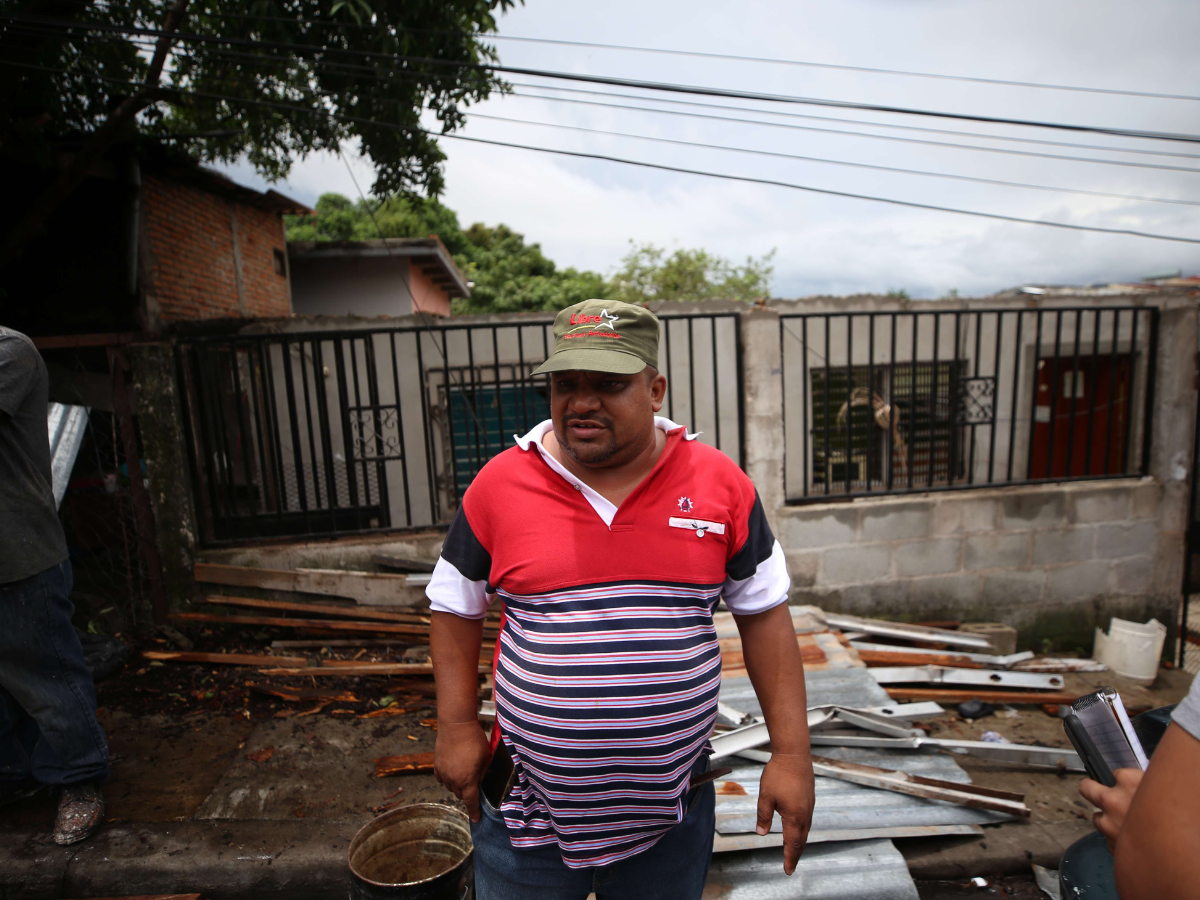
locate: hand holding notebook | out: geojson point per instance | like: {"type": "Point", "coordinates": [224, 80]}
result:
{"type": "Point", "coordinates": [1103, 736]}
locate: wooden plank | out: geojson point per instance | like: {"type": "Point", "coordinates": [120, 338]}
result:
{"type": "Point", "coordinates": [884, 658]}
{"type": "Point", "coordinates": [321, 609]}
{"type": "Point", "coordinates": [322, 624]}
{"type": "Point", "coordinates": [297, 695]}
{"type": "Point", "coordinates": [153, 897]}
{"type": "Point", "coordinates": [408, 764]}
{"type": "Point", "coordinates": [947, 695]}
{"type": "Point", "coordinates": [226, 659]}
{"type": "Point", "coordinates": [403, 563]}
{"type": "Point", "coordinates": [365, 669]}
{"type": "Point", "coordinates": [370, 588]}
{"type": "Point", "coordinates": [317, 645]}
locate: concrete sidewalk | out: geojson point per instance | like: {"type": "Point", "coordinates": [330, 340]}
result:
{"type": "Point", "coordinates": [189, 811]}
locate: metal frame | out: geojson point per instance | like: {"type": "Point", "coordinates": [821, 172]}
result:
{"type": "Point", "coordinates": [991, 372]}
{"type": "Point", "coordinates": [317, 434]}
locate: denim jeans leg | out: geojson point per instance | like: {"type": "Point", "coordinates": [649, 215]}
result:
{"type": "Point", "coordinates": [43, 671]}
{"type": "Point", "coordinates": [18, 737]}
{"type": "Point", "coordinates": [676, 867]}
{"type": "Point", "coordinates": [503, 872]}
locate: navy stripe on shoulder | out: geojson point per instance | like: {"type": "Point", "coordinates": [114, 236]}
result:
{"type": "Point", "coordinates": [463, 549]}
{"type": "Point", "coordinates": [759, 543]}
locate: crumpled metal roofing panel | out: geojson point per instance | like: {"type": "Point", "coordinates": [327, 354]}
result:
{"type": "Point", "coordinates": [853, 870]}
{"type": "Point", "coordinates": [65, 426]}
{"type": "Point", "coordinates": [841, 805]}
{"type": "Point", "coordinates": [833, 687]}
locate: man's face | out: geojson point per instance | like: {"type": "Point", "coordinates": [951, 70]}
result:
{"type": "Point", "coordinates": [602, 419]}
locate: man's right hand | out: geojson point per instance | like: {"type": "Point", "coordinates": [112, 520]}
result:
{"type": "Point", "coordinates": [460, 758]}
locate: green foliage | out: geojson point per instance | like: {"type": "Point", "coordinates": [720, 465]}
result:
{"type": "Point", "coordinates": [899, 294]}
{"type": "Point", "coordinates": [512, 276]}
{"type": "Point", "coordinates": [346, 71]}
{"type": "Point", "coordinates": [647, 273]}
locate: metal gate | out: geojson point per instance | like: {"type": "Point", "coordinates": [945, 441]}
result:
{"type": "Point", "coordinates": [322, 433]}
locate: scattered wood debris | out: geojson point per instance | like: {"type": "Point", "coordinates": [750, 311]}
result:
{"type": "Point", "coordinates": [223, 659]}
{"type": "Point", "coordinates": [408, 764]}
{"type": "Point", "coordinates": [261, 756]}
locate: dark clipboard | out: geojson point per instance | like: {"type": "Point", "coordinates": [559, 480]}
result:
{"type": "Point", "coordinates": [1097, 769]}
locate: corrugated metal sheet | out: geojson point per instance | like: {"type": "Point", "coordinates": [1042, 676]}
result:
{"type": "Point", "coordinates": [841, 805]}
{"type": "Point", "coordinates": [853, 870]}
{"type": "Point", "coordinates": [65, 426]}
{"type": "Point", "coordinates": [834, 687]}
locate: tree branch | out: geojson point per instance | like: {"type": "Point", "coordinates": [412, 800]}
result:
{"type": "Point", "coordinates": [69, 179]}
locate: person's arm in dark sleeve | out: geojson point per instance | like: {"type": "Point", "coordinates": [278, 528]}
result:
{"type": "Point", "coordinates": [18, 373]}
{"type": "Point", "coordinates": [458, 598]}
{"type": "Point", "coordinates": [756, 592]}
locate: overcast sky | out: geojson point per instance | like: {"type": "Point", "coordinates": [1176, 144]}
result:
{"type": "Point", "coordinates": [584, 213]}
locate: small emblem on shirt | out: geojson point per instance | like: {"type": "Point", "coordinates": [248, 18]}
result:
{"type": "Point", "coordinates": [700, 526]}
{"type": "Point", "coordinates": [686, 505]}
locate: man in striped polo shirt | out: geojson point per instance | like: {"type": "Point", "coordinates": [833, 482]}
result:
{"type": "Point", "coordinates": [609, 534]}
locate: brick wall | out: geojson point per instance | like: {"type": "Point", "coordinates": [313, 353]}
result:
{"type": "Point", "coordinates": [191, 267]}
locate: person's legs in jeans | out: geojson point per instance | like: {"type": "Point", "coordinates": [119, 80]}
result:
{"type": "Point", "coordinates": [504, 873]}
{"type": "Point", "coordinates": [47, 686]}
{"type": "Point", "coordinates": [676, 867]}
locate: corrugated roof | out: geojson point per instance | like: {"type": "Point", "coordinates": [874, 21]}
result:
{"type": "Point", "coordinates": [853, 870]}
{"type": "Point", "coordinates": [833, 687]}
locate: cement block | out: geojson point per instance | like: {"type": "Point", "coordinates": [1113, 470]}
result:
{"type": "Point", "coordinates": [1003, 637]}
{"type": "Point", "coordinates": [803, 528]}
{"type": "Point", "coordinates": [1043, 509]}
{"type": "Point", "coordinates": [896, 521]}
{"type": "Point", "coordinates": [803, 568]}
{"type": "Point", "coordinates": [1005, 588]}
{"type": "Point", "coordinates": [1063, 546]}
{"type": "Point", "coordinates": [996, 551]}
{"type": "Point", "coordinates": [1134, 575]}
{"type": "Point", "coordinates": [883, 599]}
{"type": "Point", "coordinates": [1109, 503]}
{"type": "Point", "coordinates": [1145, 500]}
{"type": "Point", "coordinates": [962, 515]}
{"type": "Point", "coordinates": [957, 592]}
{"type": "Point", "coordinates": [1126, 539]}
{"type": "Point", "coordinates": [1085, 579]}
{"type": "Point", "coordinates": [855, 565]}
{"type": "Point", "coordinates": [928, 557]}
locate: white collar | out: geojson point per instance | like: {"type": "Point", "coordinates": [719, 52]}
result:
{"type": "Point", "coordinates": [602, 505]}
{"type": "Point", "coordinates": [535, 435]}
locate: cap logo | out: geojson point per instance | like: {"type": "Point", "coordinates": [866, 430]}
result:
{"type": "Point", "coordinates": [585, 319]}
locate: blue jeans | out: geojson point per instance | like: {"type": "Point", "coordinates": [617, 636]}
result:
{"type": "Point", "coordinates": [675, 868]}
{"type": "Point", "coordinates": [48, 727]}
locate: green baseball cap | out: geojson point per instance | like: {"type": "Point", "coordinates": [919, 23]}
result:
{"type": "Point", "coordinates": [603, 336]}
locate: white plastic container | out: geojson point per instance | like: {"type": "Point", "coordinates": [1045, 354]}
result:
{"type": "Point", "coordinates": [1130, 649]}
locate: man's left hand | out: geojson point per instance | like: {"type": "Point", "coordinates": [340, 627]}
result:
{"type": "Point", "coordinates": [787, 788]}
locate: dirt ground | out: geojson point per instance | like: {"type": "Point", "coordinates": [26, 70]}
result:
{"type": "Point", "coordinates": [1013, 887]}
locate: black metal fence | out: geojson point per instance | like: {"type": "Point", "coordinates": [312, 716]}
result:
{"type": "Point", "coordinates": [364, 430]}
{"type": "Point", "coordinates": [902, 402]}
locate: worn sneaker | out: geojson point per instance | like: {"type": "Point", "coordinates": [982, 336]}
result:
{"type": "Point", "coordinates": [80, 812]}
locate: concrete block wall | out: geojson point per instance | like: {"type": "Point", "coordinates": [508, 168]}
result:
{"type": "Point", "coordinates": [1051, 560]}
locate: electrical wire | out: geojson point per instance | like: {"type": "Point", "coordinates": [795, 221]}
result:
{"type": "Point", "coordinates": [836, 162]}
{"type": "Point", "coordinates": [700, 54]}
{"type": "Point", "coordinates": [667, 87]}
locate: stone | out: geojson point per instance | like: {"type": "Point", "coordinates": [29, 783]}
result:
{"type": "Point", "coordinates": [855, 565]}
{"type": "Point", "coordinates": [1003, 637]}
{"type": "Point", "coordinates": [961, 515]}
{"type": "Point", "coordinates": [950, 593]}
{"type": "Point", "coordinates": [1102, 504]}
{"type": "Point", "coordinates": [1145, 500]}
{"type": "Point", "coordinates": [996, 551]}
{"type": "Point", "coordinates": [1005, 588]}
{"type": "Point", "coordinates": [1040, 509]}
{"type": "Point", "coordinates": [1134, 575]}
{"type": "Point", "coordinates": [803, 568]}
{"type": "Point", "coordinates": [928, 557]}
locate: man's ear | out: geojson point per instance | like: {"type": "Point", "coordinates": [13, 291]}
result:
{"type": "Point", "coordinates": [658, 387]}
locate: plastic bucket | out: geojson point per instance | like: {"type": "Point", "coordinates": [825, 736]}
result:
{"type": "Point", "coordinates": [417, 852]}
{"type": "Point", "coordinates": [1131, 649]}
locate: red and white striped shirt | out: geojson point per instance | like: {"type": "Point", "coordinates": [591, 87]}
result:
{"type": "Point", "coordinates": [607, 666]}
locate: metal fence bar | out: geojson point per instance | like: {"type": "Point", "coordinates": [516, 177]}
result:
{"type": "Point", "coordinates": [954, 392]}
{"type": "Point", "coordinates": [261, 445]}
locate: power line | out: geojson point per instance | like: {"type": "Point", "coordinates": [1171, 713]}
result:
{"type": "Point", "coordinates": [700, 54]}
{"type": "Point", "coordinates": [882, 137]}
{"type": "Point", "coordinates": [793, 115]}
{"type": "Point", "coordinates": [666, 168]}
{"type": "Point", "coordinates": [667, 87]}
{"type": "Point", "coordinates": [838, 162]}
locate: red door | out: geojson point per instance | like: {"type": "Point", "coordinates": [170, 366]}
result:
{"type": "Point", "coordinates": [1099, 397]}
